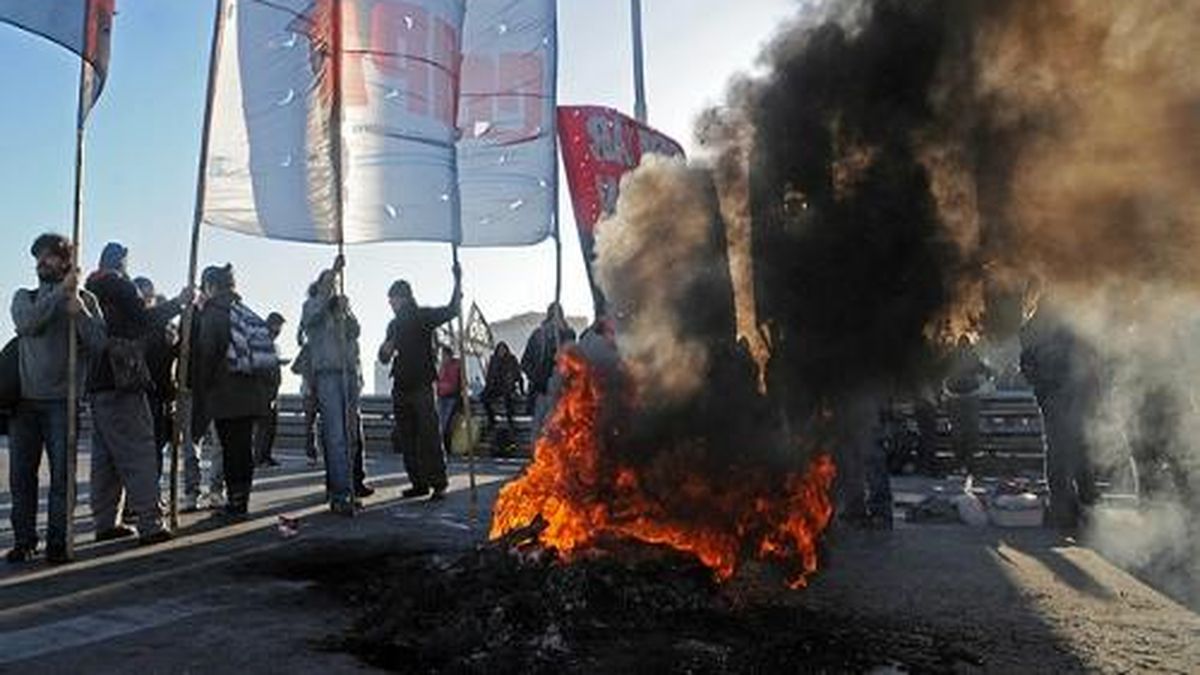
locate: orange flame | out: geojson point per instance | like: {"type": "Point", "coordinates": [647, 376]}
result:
{"type": "Point", "coordinates": [583, 497]}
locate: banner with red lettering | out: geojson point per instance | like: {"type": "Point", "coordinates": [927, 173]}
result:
{"type": "Point", "coordinates": [448, 126]}
{"type": "Point", "coordinates": [507, 154]}
{"type": "Point", "coordinates": [83, 26]}
{"type": "Point", "coordinates": [271, 166]}
{"type": "Point", "coordinates": [599, 145]}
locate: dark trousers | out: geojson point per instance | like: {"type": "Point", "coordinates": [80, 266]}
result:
{"type": "Point", "coordinates": [160, 411]}
{"type": "Point", "coordinates": [311, 408]}
{"type": "Point", "coordinates": [237, 439]}
{"type": "Point", "coordinates": [1068, 470]}
{"type": "Point", "coordinates": [489, 407]}
{"type": "Point", "coordinates": [264, 434]}
{"type": "Point", "coordinates": [36, 425]}
{"type": "Point", "coordinates": [416, 435]}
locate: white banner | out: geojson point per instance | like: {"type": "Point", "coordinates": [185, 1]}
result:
{"type": "Point", "coordinates": [507, 153]}
{"type": "Point", "coordinates": [271, 169]}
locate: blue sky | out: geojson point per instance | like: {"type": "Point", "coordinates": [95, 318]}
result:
{"type": "Point", "coordinates": [143, 140]}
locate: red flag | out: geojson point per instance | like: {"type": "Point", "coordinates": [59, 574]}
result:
{"type": "Point", "coordinates": [599, 145]}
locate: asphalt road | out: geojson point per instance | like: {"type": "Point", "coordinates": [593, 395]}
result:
{"type": "Point", "coordinates": [239, 598]}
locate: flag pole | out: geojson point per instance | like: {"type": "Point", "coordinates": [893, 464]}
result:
{"type": "Point", "coordinates": [335, 150]}
{"type": "Point", "coordinates": [72, 317]}
{"type": "Point", "coordinates": [639, 80]}
{"type": "Point", "coordinates": [464, 392]}
{"type": "Point", "coordinates": [181, 435]}
{"type": "Point", "coordinates": [558, 260]}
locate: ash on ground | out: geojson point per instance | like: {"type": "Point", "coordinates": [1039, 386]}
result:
{"type": "Point", "coordinates": [497, 610]}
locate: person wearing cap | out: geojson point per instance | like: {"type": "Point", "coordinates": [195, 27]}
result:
{"type": "Point", "coordinates": [332, 333]}
{"type": "Point", "coordinates": [409, 350]}
{"type": "Point", "coordinates": [264, 427]}
{"type": "Point", "coordinates": [41, 317]}
{"type": "Point", "coordinates": [123, 443]}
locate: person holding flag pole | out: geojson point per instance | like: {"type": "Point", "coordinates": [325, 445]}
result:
{"type": "Point", "coordinates": [182, 433]}
{"type": "Point", "coordinates": [347, 122]}
{"type": "Point", "coordinates": [84, 27]}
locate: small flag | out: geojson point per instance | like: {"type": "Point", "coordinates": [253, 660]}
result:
{"type": "Point", "coordinates": [479, 334]}
{"type": "Point", "coordinates": [83, 26]}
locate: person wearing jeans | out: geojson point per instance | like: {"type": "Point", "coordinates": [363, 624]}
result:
{"type": "Point", "coordinates": [332, 334]}
{"type": "Point", "coordinates": [41, 317]}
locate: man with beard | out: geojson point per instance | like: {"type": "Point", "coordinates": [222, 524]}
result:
{"type": "Point", "coordinates": [409, 350]}
{"type": "Point", "coordinates": [41, 317]}
{"type": "Point", "coordinates": [123, 436]}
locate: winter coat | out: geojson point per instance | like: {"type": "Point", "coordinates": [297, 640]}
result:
{"type": "Point", "coordinates": [125, 317]}
{"type": "Point", "coordinates": [410, 335]}
{"type": "Point", "coordinates": [503, 376]}
{"type": "Point", "coordinates": [329, 351]}
{"type": "Point", "coordinates": [41, 319]}
{"type": "Point", "coordinates": [222, 393]}
{"type": "Point", "coordinates": [540, 353]}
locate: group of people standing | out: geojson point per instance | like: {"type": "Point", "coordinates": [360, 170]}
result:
{"type": "Point", "coordinates": [129, 349]}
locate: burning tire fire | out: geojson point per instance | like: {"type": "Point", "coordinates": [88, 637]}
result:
{"type": "Point", "coordinates": [585, 494]}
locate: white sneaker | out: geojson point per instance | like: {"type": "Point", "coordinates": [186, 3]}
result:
{"type": "Point", "coordinates": [190, 504]}
{"type": "Point", "coordinates": [216, 500]}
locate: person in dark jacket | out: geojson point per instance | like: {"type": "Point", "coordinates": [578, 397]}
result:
{"type": "Point", "coordinates": [968, 374]}
{"type": "Point", "coordinates": [264, 429]}
{"type": "Point", "coordinates": [41, 317]}
{"type": "Point", "coordinates": [502, 383]}
{"type": "Point", "coordinates": [541, 353]}
{"type": "Point", "coordinates": [1062, 369]}
{"type": "Point", "coordinates": [409, 350]}
{"type": "Point", "coordinates": [123, 436]}
{"type": "Point", "coordinates": [161, 352]}
{"type": "Point", "coordinates": [232, 400]}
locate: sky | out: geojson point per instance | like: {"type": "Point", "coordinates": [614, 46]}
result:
{"type": "Point", "coordinates": [143, 141]}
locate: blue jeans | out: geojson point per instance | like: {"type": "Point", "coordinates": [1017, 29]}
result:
{"type": "Point", "coordinates": [446, 407]}
{"type": "Point", "coordinates": [334, 392]}
{"type": "Point", "coordinates": [37, 425]}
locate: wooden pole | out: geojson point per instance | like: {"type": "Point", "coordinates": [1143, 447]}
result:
{"type": "Point", "coordinates": [72, 318]}
{"type": "Point", "coordinates": [182, 434]}
{"type": "Point", "coordinates": [465, 393]}
{"type": "Point", "coordinates": [335, 148]}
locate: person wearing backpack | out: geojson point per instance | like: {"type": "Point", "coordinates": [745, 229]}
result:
{"type": "Point", "coordinates": [232, 351]}
{"type": "Point", "coordinates": [123, 452]}
{"type": "Point", "coordinates": [332, 334]}
{"type": "Point", "coordinates": [39, 422]}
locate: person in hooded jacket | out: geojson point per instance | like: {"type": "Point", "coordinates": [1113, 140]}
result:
{"type": "Point", "coordinates": [123, 452]}
{"type": "Point", "coordinates": [232, 400]}
{"type": "Point", "coordinates": [332, 339]}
